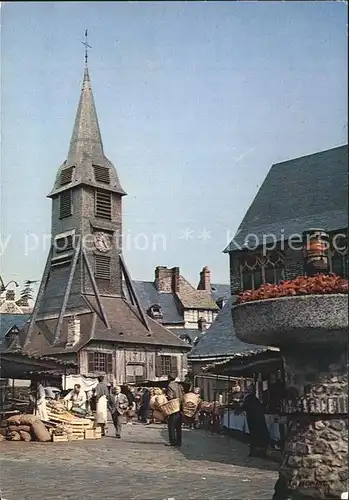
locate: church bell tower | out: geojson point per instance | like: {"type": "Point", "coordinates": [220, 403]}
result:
{"type": "Point", "coordinates": [85, 262]}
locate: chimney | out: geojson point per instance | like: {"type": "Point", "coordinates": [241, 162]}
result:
{"type": "Point", "coordinates": [205, 279]}
{"type": "Point", "coordinates": [202, 325]}
{"type": "Point", "coordinates": [10, 295]}
{"type": "Point", "coordinates": [167, 280]}
{"type": "Point", "coordinates": [175, 279]}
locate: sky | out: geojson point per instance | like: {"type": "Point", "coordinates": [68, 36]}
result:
{"type": "Point", "coordinates": [195, 101]}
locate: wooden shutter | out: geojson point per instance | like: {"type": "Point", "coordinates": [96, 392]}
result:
{"type": "Point", "coordinates": [173, 361]}
{"type": "Point", "coordinates": [66, 175]}
{"type": "Point", "coordinates": [102, 174]}
{"type": "Point", "coordinates": [109, 363]}
{"type": "Point", "coordinates": [103, 204]}
{"type": "Point", "coordinates": [158, 366]}
{"type": "Point", "coordinates": [90, 361]}
{"type": "Point", "coordinates": [102, 267]}
{"type": "Point", "coordinates": [65, 207]}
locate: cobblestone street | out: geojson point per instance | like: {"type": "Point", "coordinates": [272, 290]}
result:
{"type": "Point", "coordinates": [138, 466]}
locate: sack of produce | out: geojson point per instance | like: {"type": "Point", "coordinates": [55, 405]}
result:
{"type": "Point", "coordinates": [15, 420]}
{"type": "Point", "coordinates": [158, 415]}
{"type": "Point", "coordinates": [2, 437]}
{"type": "Point", "coordinates": [28, 419]}
{"type": "Point", "coordinates": [161, 399]}
{"type": "Point", "coordinates": [152, 403]}
{"type": "Point", "coordinates": [18, 428]}
{"type": "Point", "coordinates": [40, 432]}
{"type": "Point", "coordinates": [25, 436]}
{"type": "Point", "coordinates": [14, 436]}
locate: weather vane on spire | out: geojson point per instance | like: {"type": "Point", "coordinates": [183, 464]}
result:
{"type": "Point", "coordinates": [87, 46]}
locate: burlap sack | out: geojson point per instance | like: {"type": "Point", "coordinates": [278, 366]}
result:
{"type": "Point", "coordinates": [40, 432]}
{"type": "Point", "coordinates": [17, 428]}
{"type": "Point", "coordinates": [158, 415]}
{"type": "Point", "coordinates": [28, 419]}
{"type": "Point", "coordinates": [25, 436]}
{"type": "Point", "coordinates": [15, 419]}
{"type": "Point", "coordinates": [2, 437]}
{"type": "Point", "coordinates": [14, 436]}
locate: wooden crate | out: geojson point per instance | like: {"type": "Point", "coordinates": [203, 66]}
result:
{"type": "Point", "coordinates": [98, 433]}
{"type": "Point", "coordinates": [90, 434]}
{"type": "Point", "coordinates": [78, 438]}
{"type": "Point", "coordinates": [60, 439]}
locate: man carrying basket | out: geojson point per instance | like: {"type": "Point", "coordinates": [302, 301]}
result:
{"type": "Point", "coordinates": [174, 421]}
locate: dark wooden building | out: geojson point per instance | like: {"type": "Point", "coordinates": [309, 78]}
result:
{"type": "Point", "coordinates": [297, 195]}
{"type": "Point", "coordinates": [82, 311]}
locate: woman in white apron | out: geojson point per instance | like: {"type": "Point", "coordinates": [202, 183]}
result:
{"type": "Point", "coordinates": [40, 409]}
{"type": "Point", "coordinates": [102, 396]}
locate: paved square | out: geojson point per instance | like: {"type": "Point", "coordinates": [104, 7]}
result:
{"type": "Point", "coordinates": [138, 466]}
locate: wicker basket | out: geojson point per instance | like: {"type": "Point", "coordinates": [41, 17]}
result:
{"type": "Point", "coordinates": [170, 407]}
{"type": "Point", "coordinates": [191, 404]}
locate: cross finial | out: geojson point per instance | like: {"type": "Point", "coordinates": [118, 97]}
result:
{"type": "Point", "coordinates": [87, 46]}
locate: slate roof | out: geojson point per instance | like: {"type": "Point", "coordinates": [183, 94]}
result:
{"type": "Point", "coordinates": [7, 321]}
{"type": "Point", "coordinates": [299, 194]}
{"type": "Point", "coordinates": [148, 296]}
{"type": "Point", "coordinates": [171, 305]}
{"type": "Point", "coordinates": [86, 147]}
{"type": "Point", "coordinates": [126, 327]}
{"type": "Point", "coordinates": [220, 340]}
{"type": "Point", "coordinates": [191, 333]}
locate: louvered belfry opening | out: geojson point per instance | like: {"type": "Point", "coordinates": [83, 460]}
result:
{"type": "Point", "coordinates": [65, 204]}
{"type": "Point", "coordinates": [102, 267]}
{"type": "Point", "coordinates": [64, 243]}
{"type": "Point", "coordinates": [103, 204]}
{"type": "Point", "coordinates": [102, 174]}
{"type": "Point", "coordinates": [66, 175]}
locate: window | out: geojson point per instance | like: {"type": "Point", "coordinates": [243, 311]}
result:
{"type": "Point", "coordinates": [192, 316]}
{"type": "Point", "coordinates": [166, 365]}
{"type": "Point", "coordinates": [65, 204]}
{"type": "Point", "coordinates": [135, 373]}
{"type": "Point", "coordinates": [102, 267]}
{"type": "Point", "coordinates": [155, 312]}
{"type": "Point", "coordinates": [100, 362]}
{"type": "Point", "coordinates": [339, 264]}
{"type": "Point", "coordinates": [102, 174]}
{"type": "Point", "coordinates": [66, 175]}
{"type": "Point", "coordinates": [103, 204]}
{"type": "Point", "coordinates": [257, 269]}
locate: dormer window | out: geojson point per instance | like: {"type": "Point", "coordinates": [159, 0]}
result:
{"type": "Point", "coordinates": [220, 302]}
{"type": "Point", "coordinates": [155, 311]}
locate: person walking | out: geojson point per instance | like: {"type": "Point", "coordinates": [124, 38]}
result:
{"type": "Point", "coordinates": [174, 421]}
{"type": "Point", "coordinates": [102, 396]}
{"type": "Point", "coordinates": [118, 405]}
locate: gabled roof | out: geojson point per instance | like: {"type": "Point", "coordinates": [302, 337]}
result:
{"type": "Point", "coordinates": [86, 147]}
{"type": "Point", "coordinates": [220, 340]}
{"type": "Point", "coordinates": [7, 321]}
{"type": "Point", "coordinates": [299, 194]}
{"type": "Point", "coordinates": [171, 303]}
